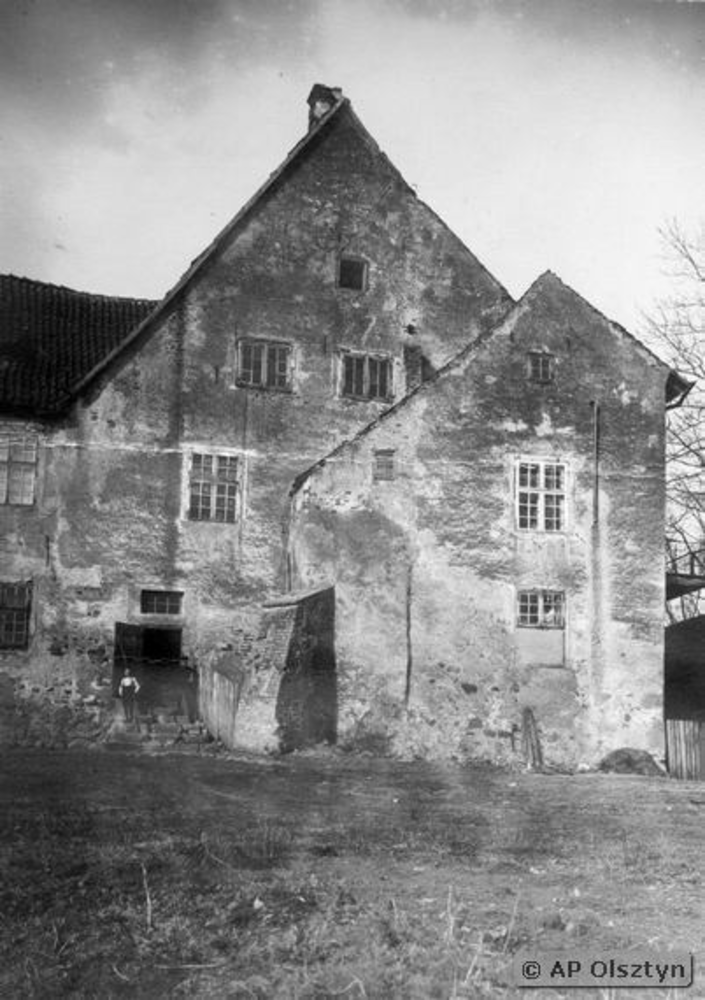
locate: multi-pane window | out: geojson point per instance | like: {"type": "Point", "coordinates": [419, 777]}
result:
{"type": "Point", "coordinates": [366, 376]}
{"type": "Point", "coordinates": [383, 467]}
{"type": "Point", "coordinates": [18, 468]}
{"type": "Point", "coordinates": [541, 609]}
{"type": "Point", "coordinates": [264, 364]}
{"type": "Point", "coordinates": [541, 496]}
{"type": "Point", "coordinates": [15, 606]}
{"type": "Point", "coordinates": [213, 488]}
{"type": "Point", "coordinates": [160, 602]}
{"type": "Point", "coordinates": [352, 273]}
{"type": "Point", "coordinates": [542, 366]}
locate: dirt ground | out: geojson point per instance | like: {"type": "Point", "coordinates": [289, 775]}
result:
{"type": "Point", "coordinates": [325, 875]}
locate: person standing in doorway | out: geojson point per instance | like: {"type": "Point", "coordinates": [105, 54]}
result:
{"type": "Point", "coordinates": [128, 690]}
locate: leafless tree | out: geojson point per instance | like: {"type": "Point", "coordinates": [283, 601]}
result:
{"type": "Point", "coordinates": [676, 331]}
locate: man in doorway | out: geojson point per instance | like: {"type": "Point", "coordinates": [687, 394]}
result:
{"type": "Point", "coordinates": [128, 690]}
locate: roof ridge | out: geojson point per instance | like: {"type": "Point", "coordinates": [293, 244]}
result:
{"type": "Point", "coordinates": [34, 282]}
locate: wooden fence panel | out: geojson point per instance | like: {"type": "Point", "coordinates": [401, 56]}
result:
{"type": "Point", "coordinates": [685, 749]}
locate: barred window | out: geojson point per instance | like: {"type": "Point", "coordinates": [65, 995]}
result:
{"type": "Point", "coordinates": [214, 485]}
{"type": "Point", "coordinates": [383, 467]}
{"type": "Point", "coordinates": [18, 468]}
{"type": "Point", "coordinates": [264, 364]}
{"type": "Point", "coordinates": [541, 496]}
{"type": "Point", "coordinates": [15, 607]}
{"type": "Point", "coordinates": [161, 602]}
{"type": "Point", "coordinates": [542, 366]}
{"type": "Point", "coordinates": [352, 273]}
{"type": "Point", "coordinates": [541, 609]}
{"type": "Point", "coordinates": [366, 376]}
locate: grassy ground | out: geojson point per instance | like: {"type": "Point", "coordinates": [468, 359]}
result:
{"type": "Point", "coordinates": [128, 875]}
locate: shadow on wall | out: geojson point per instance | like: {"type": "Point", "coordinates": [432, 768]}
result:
{"type": "Point", "coordinates": [307, 702]}
{"type": "Point", "coordinates": [685, 669]}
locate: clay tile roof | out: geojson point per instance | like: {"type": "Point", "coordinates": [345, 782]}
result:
{"type": "Point", "coordinates": [51, 337]}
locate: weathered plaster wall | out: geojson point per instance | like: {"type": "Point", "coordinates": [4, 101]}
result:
{"type": "Point", "coordinates": [112, 489]}
{"type": "Point", "coordinates": [428, 599]}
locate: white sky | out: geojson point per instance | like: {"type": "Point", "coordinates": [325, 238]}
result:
{"type": "Point", "coordinates": [558, 134]}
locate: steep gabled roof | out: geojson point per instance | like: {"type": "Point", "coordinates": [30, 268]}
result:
{"type": "Point", "coordinates": [45, 381]}
{"type": "Point", "coordinates": [676, 386]}
{"type": "Point", "coordinates": [340, 105]}
{"type": "Point", "coordinates": [51, 337]}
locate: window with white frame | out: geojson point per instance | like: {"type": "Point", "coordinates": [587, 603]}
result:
{"type": "Point", "coordinates": [366, 376]}
{"type": "Point", "coordinates": [541, 366]}
{"type": "Point", "coordinates": [18, 468]}
{"type": "Point", "coordinates": [264, 364]}
{"type": "Point", "coordinates": [15, 607]}
{"type": "Point", "coordinates": [161, 602]}
{"type": "Point", "coordinates": [541, 609]}
{"type": "Point", "coordinates": [213, 488]}
{"type": "Point", "coordinates": [541, 496]}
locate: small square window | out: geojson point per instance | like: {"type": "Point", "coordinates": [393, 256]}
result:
{"type": "Point", "coordinates": [542, 366]}
{"type": "Point", "coordinates": [263, 364]}
{"type": "Point", "coordinates": [160, 602]}
{"type": "Point", "coordinates": [352, 273]}
{"type": "Point", "coordinates": [541, 609]}
{"type": "Point", "coordinates": [383, 468]}
{"type": "Point", "coordinates": [366, 377]}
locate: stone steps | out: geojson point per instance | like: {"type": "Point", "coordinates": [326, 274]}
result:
{"type": "Point", "coordinates": [150, 733]}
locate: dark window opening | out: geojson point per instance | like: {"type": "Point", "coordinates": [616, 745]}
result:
{"type": "Point", "coordinates": [352, 273]}
{"type": "Point", "coordinates": [15, 607]}
{"type": "Point", "coordinates": [161, 602]}
{"type": "Point", "coordinates": [264, 364]}
{"type": "Point", "coordinates": [213, 485]}
{"type": "Point", "coordinates": [383, 468]}
{"type": "Point", "coordinates": [542, 367]}
{"type": "Point", "coordinates": [541, 609]}
{"type": "Point", "coordinates": [366, 377]}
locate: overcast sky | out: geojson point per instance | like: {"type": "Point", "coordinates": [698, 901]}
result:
{"type": "Point", "coordinates": [558, 134]}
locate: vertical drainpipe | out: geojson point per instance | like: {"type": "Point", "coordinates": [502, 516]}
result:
{"type": "Point", "coordinates": [595, 406]}
{"type": "Point", "coordinates": [597, 570]}
{"type": "Point", "coordinates": [409, 652]}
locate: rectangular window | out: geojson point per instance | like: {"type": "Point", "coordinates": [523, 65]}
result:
{"type": "Point", "coordinates": [383, 464]}
{"type": "Point", "coordinates": [541, 609]}
{"type": "Point", "coordinates": [263, 364]}
{"type": "Point", "coordinates": [160, 602]}
{"type": "Point", "coordinates": [367, 377]}
{"type": "Point", "coordinates": [352, 273]}
{"type": "Point", "coordinates": [541, 496]}
{"type": "Point", "coordinates": [15, 606]}
{"type": "Point", "coordinates": [214, 484]}
{"type": "Point", "coordinates": [542, 366]}
{"type": "Point", "coordinates": [18, 468]}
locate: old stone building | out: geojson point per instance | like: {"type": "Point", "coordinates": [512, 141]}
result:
{"type": "Point", "coordinates": [496, 544]}
{"type": "Point", "coordinates": [489, 541]}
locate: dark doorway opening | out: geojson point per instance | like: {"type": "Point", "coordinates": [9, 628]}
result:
{"type": "Point", "coordinates": [307, 702]}
{"type": "Point", "coordinates": [168, 683]}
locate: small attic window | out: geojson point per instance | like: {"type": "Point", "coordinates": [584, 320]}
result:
{"type": "Point", "coordinates": [352, 273]}
{"type": "Point", "coordinates": [541, 366]}
{"type": "Point", "coordinates": [384, 466]}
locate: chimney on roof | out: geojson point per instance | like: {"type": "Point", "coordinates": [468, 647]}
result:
{"type": "Point", "coordinates": [320, 101]}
